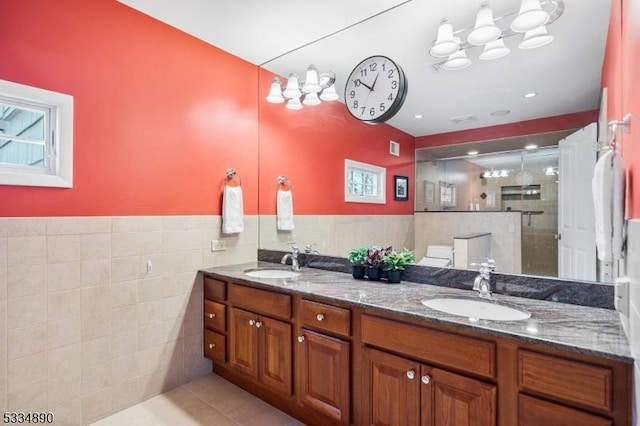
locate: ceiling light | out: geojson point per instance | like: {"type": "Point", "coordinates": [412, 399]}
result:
{"type": "Point", "coordinates": [472, 153]}
{"type": "Point", "coordinates": [549, 171]}
{"type": "Point", "coordinates": [531, 146]}
{"type": "Point", "coordinates": [501, 112]}
{"type": "Point", "coordinates": [494, 49]}
{"type": "Point", "coordinates": [485, 30]}
{"type": "Point", "coordinates": [486, 174]}
{"type": "Point", "coordinates": [316, 88]}
{"type": "Point", "coordinates": [457, 61]}
{"type": "Point", "coordinates": [530, 19]}
{"type": "Point", "coordinates": [537, 37]}
{"type": "Point", "coordinates": [530, 95]}
{"type": "Point", "coordinates": [445, 44]}
{"type": "Point", "coordinates": [418, 116]}
{"type": "Point", "coordinates": [504, 173]}
{"type": "Point", "coordinates": [495, 173]}
{"type": "Point", "coordinates": [530, 16]}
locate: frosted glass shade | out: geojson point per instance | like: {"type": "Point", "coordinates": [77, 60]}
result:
{"type": "Point", "coordinates": [311, 83]}
{"type": "Point", "coordinates": [494, 49]}
{"type": "Point", "coordinates": [530, 16]}
{"type": "Point", "coordinates": [445, 43]}
{"type": "Point", "coordinates": [275, 94]}
{"type": "Point", "coordinates": [294, 104]}
{"type": "Point", "coordinates": [329, 94]}
{"type": "Point", "coordinates": [311, 99]}
{"type": "Point", "coordinates": [536, 38]}
{"type": "Point", "coordinates": [485, 30]}
{"type": "Point", "coordinates": [457, 61]}
{"type": "Point", "coordinates": [293, 88]}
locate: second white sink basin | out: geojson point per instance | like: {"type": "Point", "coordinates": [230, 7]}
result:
{"type": "Point", "coordinates": [271, 273]}
{"type": "Point", "coordinates": [476, 308]}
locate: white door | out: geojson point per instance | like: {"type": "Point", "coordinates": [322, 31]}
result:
{"type": "Point", "coordinates": [576, 224]}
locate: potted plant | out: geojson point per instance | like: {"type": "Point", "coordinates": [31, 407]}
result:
{"type": "Point", "coordinates": [395, 261]}
{"type": "Point", "coordinates": [357, 257]}
{"type": "Point", "coordinates": [375, 261]}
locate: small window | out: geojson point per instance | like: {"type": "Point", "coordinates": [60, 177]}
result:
{"type": "Point", "coordinates": [364, 183]}
{"type": "Point", "coordinates": [36, 139]}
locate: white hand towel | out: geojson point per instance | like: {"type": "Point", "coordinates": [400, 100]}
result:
{"type": "Point", "coordinates": [232, 210]}
{"type": "Point", "coordinates": [602, 187]}
{"type": "Point", "coordinates": [618, 208]}
{"type": "Point", "coordinates": [284, 220]}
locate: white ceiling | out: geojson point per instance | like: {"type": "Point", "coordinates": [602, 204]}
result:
{"type": "Point", "coordinates": [285, 36]}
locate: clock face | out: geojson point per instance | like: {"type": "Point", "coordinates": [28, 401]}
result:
{"type": "Point", "coordinates": [376, 90]}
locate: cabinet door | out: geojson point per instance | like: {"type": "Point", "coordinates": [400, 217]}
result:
{"type": "Point", "coordinates": [449, 399]}
{"type": "Point", "coordinates": [391, 389]}
{"type": "Point", "coordinates": [243, 342]}
{"type": "Point", "coordinates": [275, 354]}
{"type": "Point", "coordinates": [323, 375]}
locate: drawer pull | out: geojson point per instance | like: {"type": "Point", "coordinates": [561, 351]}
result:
{"type": "Point", "coordinates": [252, 322]}
{"type": "Point", "coordinates": [212, 345]}
{"type": "Point", "coordinates": [320, 317]}
{"type": "Point", "coordinates": [300, 339]}
{"type": "Point", "coordinates": [426, 379]}
{"type": "Point", "coordinates": [411, 374]}
{"type": "Point", "coordinates": [258, 324]}
{"type": "Point", "coordinates": [212, 316]}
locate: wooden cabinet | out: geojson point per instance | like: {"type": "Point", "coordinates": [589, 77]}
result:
{"type": "Point", "coordinates": [215, 319]}
{"type": "Point", "coordinates": [399, 391]}
{"type": "Point", "coordinates": [261, 348]}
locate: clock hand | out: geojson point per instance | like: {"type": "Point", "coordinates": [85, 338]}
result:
{"type": "Point", "coordinates": [370, 88]}
{"type": "Point", "coordinates": [374, 81]}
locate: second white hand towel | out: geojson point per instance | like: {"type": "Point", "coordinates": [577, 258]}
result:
{"type": "Point", "coordinates": [602, 186]}
{"type": "Point", "coordinates": [284, 206]}
{"type": "Point", "coordinates": [617, 222]}
{"type": "Point", "coordinates": [232, 210]}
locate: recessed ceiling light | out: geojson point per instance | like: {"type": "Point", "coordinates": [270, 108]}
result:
{"type": "Point", "coordinates": [418, 116]}
{"type": "Point", "coordinates": [472, 153]}
{"type": "Point", "coordinates": [531, 146]}
{"type": "Point", "coordinates": [530, 94]}
{"type": "Point", "coordinates": [501, 112]}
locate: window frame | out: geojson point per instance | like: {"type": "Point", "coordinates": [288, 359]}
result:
{"type": "Point", "coordinates": [381, 179]}
{"type": "Point", "coordinates": [59, 172]}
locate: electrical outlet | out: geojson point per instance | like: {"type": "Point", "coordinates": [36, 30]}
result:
{"type": "Point", "coordinates": [291, 239]}
{"type": "Point", "coordinates": [218, 245]}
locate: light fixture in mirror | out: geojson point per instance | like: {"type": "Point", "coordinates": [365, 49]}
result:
{"type": "Point", "coordinates": [535, 38]}
{"type": "Point", "coordinates": [445, 44]}
{"type": "Point", "coordinates": [485, 30]}
{"type": "Point", "coordinates": [315, 88]}
{"type": "Point", "coordinates": [530, 16]}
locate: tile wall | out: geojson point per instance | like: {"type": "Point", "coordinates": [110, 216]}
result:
{"type": "Point", "coordinates": [86, 329]}
{"type": "Point", "coordinates": [632, 321]}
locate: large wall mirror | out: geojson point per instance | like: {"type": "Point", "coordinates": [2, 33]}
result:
{"type": "Point", "coordinates": [503, 177]}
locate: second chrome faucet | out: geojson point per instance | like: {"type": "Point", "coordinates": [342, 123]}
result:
{"type": "Point", "coordinates": [295, 251]}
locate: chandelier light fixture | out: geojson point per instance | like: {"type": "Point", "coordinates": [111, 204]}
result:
{"type": "Point", "coordinates": [529, 22]}
{"type": "Point", "coordinates": [312, 91]}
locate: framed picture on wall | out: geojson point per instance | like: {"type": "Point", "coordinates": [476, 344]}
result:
{"type": "Point", "coordinates": [401, 188]}
{"type": "Point", "coordinates": [430, 189]}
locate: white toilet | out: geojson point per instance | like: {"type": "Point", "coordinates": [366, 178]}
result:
{"type": "Point", "coordinates": [438, 257]}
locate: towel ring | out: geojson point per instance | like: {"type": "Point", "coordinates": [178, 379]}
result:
{"type": "Point", "coordinates": [284, 183]}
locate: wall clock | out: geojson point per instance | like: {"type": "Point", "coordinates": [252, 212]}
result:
{"type": "Point", "coordinates": [375, 90]}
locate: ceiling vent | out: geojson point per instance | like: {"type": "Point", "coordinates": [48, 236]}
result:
{"type": "Point", "coordinates": [464, 119]}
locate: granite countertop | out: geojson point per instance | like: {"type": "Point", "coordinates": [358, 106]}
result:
{"type": "Point", "coordinates": [588, 330]}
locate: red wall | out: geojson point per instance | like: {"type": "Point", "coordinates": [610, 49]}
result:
{"type": "Point", "coordinates": [620, 76]}
{"type": "Point", "coordinates": [309, 147]}
{"type": "Point", "coordinates": [522, 128]}
{"type": "Point", "coordinates": [159, 115]}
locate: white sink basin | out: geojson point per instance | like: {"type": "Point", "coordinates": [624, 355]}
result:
{"type": "Point", "coordinates": [271, 273]}
{"type": "Point", "coordinates": [476, 308]}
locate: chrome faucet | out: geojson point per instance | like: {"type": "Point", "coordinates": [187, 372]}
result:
{"type": "Point", "coordinates": [295, 251]}
{"type": "Point", "coordinates": [308, 249]}
{"type": "Point", "coordinates": [482, 283]}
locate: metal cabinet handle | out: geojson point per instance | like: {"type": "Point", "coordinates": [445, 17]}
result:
{"type": "Point", "coordinates": [426, 379]}
{"type": "Point", "coordinates": [252, 322]}
{"type": "Point", "coordinates": [300, 339]}
{"type": "Point", "coordinates": [212, 315]}
{"type": "Point", "coordinates": [411, 374]}
{"type": "Point", "coordinates": [211, 345]}
{"type": "Point", "coordinates": [258, 324]}
{"type": "Point", "coordinates": [320, 317]}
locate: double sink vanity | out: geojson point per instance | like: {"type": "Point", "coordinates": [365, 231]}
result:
{"type": "Point", "coordinates": [329, 350]}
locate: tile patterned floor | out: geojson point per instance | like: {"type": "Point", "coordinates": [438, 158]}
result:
{"type": "Point", "coordinates": [208, 400]}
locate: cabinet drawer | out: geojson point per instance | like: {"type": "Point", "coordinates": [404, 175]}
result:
{"type": "Point", "coordinates": [438, 347]}
{"type": "Point", "coordinates": [563, 378]}
{"type": "Point", "coordinates": [277, 305]}
{"type": "Point", "coordinates": [214, 346]}
{"type": "Point", "coordinates": [215, 289]}
{"type": "Point", "coordinates": [535, 412]}
{"type": "Point", "coordinates": [325, 317]}
{"type": "Point", "coordinates": [214, 315]}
